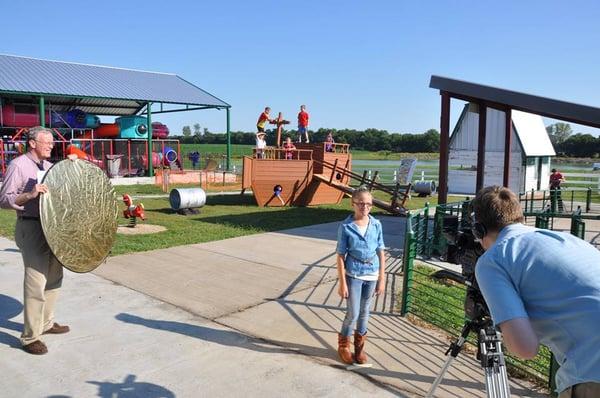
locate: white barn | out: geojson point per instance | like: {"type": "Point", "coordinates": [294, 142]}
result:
{"type": "Point", "coordinates": [530, 154]}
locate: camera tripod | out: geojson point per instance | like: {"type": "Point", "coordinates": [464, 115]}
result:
{"type": "Point", "coordinates": [489, 343]}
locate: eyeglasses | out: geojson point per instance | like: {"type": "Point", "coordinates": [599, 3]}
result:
{"type": "Point", "coordinates": [49, 143]}
{"type": "Point", "coordinates": [362, 204]}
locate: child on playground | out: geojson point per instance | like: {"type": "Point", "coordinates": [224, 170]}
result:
{"type": "Point", "coordinates": [289, 148]}
{"type": "Point", "coordinates": [261, 144]}
{"type": "Point", "coordinates": [303, 123]}
{"type": "Point", "coordinates": [329, 143]}
{"type": "Point", "coordinates": [361, 272]}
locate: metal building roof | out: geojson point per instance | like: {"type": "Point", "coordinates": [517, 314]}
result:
{"type": "Point", "coordinates": [96, 89]}
{"type": "Point", "coordinates": [502, 98]}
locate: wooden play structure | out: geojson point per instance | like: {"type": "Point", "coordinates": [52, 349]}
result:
{"type": "Point", "coordinates": [313, 176]}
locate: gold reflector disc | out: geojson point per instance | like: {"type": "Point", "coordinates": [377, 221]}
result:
{"type": "Point", "coordinates": [79, 214]}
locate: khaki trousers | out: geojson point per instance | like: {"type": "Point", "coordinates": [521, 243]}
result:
{"type": "Point", "coordinates": [43, 277]}
{"type": "Point", "coordinates": [582, 390]}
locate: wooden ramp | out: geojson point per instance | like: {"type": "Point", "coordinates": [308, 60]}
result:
{"type": "Point", "coordinates": [389, 207]}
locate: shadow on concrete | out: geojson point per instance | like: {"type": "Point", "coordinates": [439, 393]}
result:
{"type": "Point", "coordinates": [131, 389]}
{"type": "Point", "coordinates": [224, 337]}
{"type": "Point", "coordinates": [10, 308]}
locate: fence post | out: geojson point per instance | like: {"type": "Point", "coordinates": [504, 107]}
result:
{"type": "Point", "coordinates": [426, 241]}
{"type": "Point", "coordinates": [577, 227]}
{"type": "Point", "coordinates": [588, 199]}
{"type": "Point", "coordinates": [417, 230]}
{"type": "Point", "coordinates": [407, 264]}
{"type": "Point", "coordinates": [532, 192]}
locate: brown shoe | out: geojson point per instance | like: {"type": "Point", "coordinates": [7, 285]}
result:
{"type": "Point", "coordinates": [36, 348]}
{"type": "Point", "coordinates": [57, 329]}
{"type": "Point", "coordinates": [359, 348]}
{"type": "Point", "coordinates": [344, 349]}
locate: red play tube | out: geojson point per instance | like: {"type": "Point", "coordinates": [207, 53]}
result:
{"type": "Point", "coordinates": [107, 130]}
{"type": "Point", "coordinates": [73, 150]}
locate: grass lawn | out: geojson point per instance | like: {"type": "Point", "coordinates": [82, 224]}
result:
{"type": "Point", "coordinates": [224, 216]}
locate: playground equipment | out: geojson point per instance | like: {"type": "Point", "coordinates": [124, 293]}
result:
{"type": "Point", "coordinates": [73, 150]}
{"type": "Point", "coordinates": [279, 122]}
{"type": "Point", "coordinates": [133, 212]}
{"type": "Point", "coordinates": [186, 201]}
{"type": "Point", "coordinates": [132, 127]}
{"type": "Point", "coordinates": [167, 157]}
{"type": "Point", "coordinates": [424, 187]}
{"type": "Point", "coordinates": [314, 176]}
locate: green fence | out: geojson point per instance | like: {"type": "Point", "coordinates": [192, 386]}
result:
{"type": "Point", "coordinates": [559, 201]}
{"type": "Point", "coordinates": [442, 304]}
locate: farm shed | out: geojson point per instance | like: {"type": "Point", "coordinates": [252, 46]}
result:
{"type": "Point", "coordinates": [530, 151]}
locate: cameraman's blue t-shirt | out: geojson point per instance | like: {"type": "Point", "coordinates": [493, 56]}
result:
{"type": "Point", "coordinates": [553, 279]}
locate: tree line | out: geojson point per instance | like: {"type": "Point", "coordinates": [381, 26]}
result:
{"type": "Point", "coordinates": [577, 145]}
{"type": "Point", "coordinates": [561, 134]}
{"type": "Point", "coordinates": [368, 140]}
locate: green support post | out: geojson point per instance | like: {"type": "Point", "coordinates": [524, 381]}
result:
{"type": "Point", "coordinates": [578, 227]}
{"type": "Point", "coordinates": [410, 252]}
{"type": "Point", "coordinates": [42, 112]}
{"type": "Point", "coordinates": [588, 200]}
{"type": "Point", "coordinates": [149, 125]}
{"type": "Point", "coordinates": [417, 230]}
{"type": "Point", "coordinates": [426, 241]}
{"type": "Point", "coordinates": [228, 139]}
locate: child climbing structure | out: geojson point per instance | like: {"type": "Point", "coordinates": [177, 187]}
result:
{"type": "Point", "coordinates": [313, 176]}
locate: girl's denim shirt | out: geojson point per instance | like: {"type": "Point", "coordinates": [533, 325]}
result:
{"type": "Point", "coordinates": [361, 252]}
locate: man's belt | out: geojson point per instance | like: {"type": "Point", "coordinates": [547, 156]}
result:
{"type": "Point", "coordinates": [28, 218]}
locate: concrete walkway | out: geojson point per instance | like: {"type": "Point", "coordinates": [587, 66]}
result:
{"type": "Point", "coordinates": [251, 316]}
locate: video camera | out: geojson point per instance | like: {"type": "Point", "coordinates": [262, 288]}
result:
{"type": "Point", "coordinates": [463, 249]}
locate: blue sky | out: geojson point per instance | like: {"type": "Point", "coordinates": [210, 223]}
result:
{"type": "Point", "coordinates": [355, 64]}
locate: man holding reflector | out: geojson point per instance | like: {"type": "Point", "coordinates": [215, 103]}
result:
{"type": "Point", "coordinates": [51, 232]}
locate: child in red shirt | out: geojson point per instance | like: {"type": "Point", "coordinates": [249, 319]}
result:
{"type": "Point", "coordinates": [289, 148]}
{"type": "Point", "coordinates": [303, 123]}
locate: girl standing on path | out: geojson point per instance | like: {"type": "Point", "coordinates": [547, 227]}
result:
{"type": "Point", "coordinates": [361, 272]}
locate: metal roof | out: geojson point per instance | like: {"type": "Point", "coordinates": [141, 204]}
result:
{"type": "Point", "coordinates": [501, 98]}
{"type": "Point", "coordinates": [96, 89]}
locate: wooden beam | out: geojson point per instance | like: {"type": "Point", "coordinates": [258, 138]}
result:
{"type": "Point", "coordinates": [444, 148]}
{"type": "Point", "coordinates": [507, 145]}
{"type": "Point", "coordinates": [481, 146]}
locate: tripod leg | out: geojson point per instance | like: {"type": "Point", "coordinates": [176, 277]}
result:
{"type": "Point", "coordinates": [451, 354]}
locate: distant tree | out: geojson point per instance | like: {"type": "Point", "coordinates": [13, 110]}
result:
{"type": "Point", "coordinates": [187, 131]}
{"type": "Point", "coordinates": [197, 129]}
{"type": "Point", "coordinates": [559, 132]}
{"type": "Point", "coordinates": [205, 131]}
{"type": "Point", "coordinates": [579, 145]}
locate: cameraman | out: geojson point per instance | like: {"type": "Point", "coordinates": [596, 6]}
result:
{"type": "Point", "coordinates": [541, 287]}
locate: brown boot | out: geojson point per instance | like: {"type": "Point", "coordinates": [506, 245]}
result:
{"type": "Point", "coordinates": [359, 347]}
{"type": "Point", "coordinates": [344, 349]}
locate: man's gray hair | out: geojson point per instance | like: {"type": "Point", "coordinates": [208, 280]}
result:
{"type": "Point", "coordinates": [33, 132]}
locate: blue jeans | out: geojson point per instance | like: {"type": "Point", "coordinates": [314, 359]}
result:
{"type": "Point", "coordinates": [360, 294]}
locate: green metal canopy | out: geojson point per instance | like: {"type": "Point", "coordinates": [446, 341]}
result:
{"type": "Point", "coordinates": [101, 90]}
